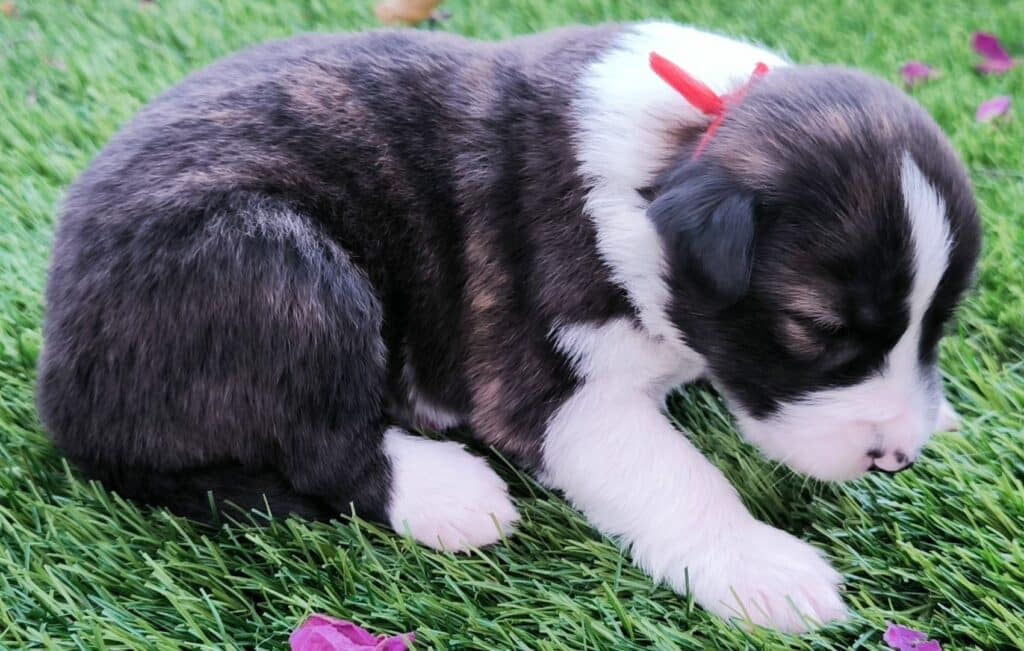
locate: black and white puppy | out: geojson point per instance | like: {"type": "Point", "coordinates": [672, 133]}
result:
{"type": "Point", "coordinates": [285, 264]}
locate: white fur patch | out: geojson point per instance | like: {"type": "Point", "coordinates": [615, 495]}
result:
{"type": "Point", "coordinates": [625, 118]}
{"type": "Point", "coordinates": [931, 240]}
{"type": "Point", "coordinates": [616, 457]}
{"type": "Point", "coordinates": [629, 355]}
{"type": "Point", "coordinates": [927, 212]}
{"type": "Point", "coordinates": [443, 496]}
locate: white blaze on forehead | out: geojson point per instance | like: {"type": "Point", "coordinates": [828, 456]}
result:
{"type": "Point", "coordinates": [930, 232]}
{"type": "Point", "coordinates": [929, 235]}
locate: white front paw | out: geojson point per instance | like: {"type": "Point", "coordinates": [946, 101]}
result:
{"type": "Point", "coordinates": [768, 577]}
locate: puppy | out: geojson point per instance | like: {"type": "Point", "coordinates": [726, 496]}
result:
{"type": "Point", "coordinates": [289, 262]}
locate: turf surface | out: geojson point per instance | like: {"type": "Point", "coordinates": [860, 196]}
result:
{"type": "Point", "coordinates": [938, 548]}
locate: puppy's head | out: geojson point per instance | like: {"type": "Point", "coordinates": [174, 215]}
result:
{"type": "Point", "coordinates": [818, 247]}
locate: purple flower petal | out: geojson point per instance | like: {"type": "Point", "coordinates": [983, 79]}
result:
{"type": "Point", "coordinates": [915, 71]}
{"type": "Point", "coordinates": [323, 633]}
{"type": "Point", "coordinates": [993, 109]}
{"type": "Point", "coordinates": [997, 60]}
{"type": "Point", "coordinates": [930, 645]}
{"type": "Point", "coordinates": [902, 638]}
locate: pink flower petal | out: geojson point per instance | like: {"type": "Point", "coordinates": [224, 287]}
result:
{"type": "Point", "coordinates": [402, 642]}
{"type": "Point", "coordinates": [993, 109]}
{"type": "Point", "coordinates": [930, 645]}
{"type": "Point", "coordinates": [995, 66]}
{"type": "Point", "coordinates": [902, 638]}
{"type": "Point", "coordinates": [915, 71]}
{"type": "Point", "coordinates": [323, 633]}
{"type": "Point", "coordinates": [321, 638]}
{"type": "Point", "coordinates": [988, 46]}
{"type": "Point", "coordinates": [997, 60]}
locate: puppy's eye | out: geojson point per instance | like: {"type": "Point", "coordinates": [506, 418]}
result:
{"type": "Point", "coordinates": [801, 339]}
{"type": "Point", "coordinates": [825, 342]}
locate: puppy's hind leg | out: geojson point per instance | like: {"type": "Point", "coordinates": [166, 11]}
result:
{"type": "Point", "coordinates": [241, 354]}
{"type": "Point", "coordinates": [236, 351]}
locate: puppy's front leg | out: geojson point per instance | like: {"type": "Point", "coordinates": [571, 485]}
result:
{"type": "Point", "coordinates": [618, 459]}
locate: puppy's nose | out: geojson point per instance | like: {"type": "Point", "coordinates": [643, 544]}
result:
{"type": "Point", "coordinates": [889, 462]}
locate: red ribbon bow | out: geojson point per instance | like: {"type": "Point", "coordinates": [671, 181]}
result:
{"type": "Point", "coordinates": [700, 96]}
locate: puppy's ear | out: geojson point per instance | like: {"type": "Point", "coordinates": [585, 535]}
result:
{"type": "Point", "coordinates": [707, 224]}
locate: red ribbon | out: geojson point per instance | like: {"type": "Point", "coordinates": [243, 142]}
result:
{"type": "Point", "coordinates": [700, 96]}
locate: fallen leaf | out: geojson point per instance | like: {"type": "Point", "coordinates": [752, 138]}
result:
{"type": "Point", "coordinates": [8, 8]}
{"type": "Point", "coordinates": [902, 638]}
{"type": "Point", "coordinates": [930, 645]}
{"type": "Point", "coordinates": [992, 109]}
{"type": "Point", "coordinates": [997, 59]}
{"type": "Point", "coordinates": [914, 72]}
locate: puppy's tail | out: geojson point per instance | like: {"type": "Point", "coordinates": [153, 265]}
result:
{"type": "Point", "coordinates": [213, 494]}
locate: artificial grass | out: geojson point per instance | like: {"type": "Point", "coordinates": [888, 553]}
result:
{"type": "Point", "coordinates": [937, 549]}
